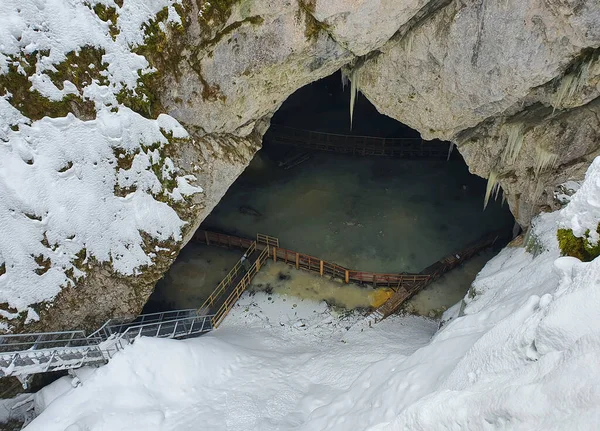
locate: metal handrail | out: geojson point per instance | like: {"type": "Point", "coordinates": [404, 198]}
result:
{"type": "Point", "coordinates": [45, 351]}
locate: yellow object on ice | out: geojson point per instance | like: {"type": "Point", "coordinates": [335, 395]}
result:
{"type": "Point", "coordinates": [379, 296]}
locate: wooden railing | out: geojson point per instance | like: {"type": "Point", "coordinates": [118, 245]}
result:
{"type": "Point", "coordinates": [227, 281]}
{"type": "Point", "coordinates": [356, 145]}
{"type": "Point", "coordinates": [235, 282]}
{"type": "Point", "coordinates": [239, 288]}
{"type": "Point", "coordinates": [436, 270]}
{"type": "Point", "coordinates": [267, 240]}
{"type": "Point", "coordinates": [222, 240]}
{"type": "Point", "coordinates": [405, 285]}
{"type": "Point", "coordinates": [322, 267]}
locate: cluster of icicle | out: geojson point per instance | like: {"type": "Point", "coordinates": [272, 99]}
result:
{"type": "Point", "coordinates": [544, 160]}
{"type": "Point", "coordinates": [573, 82]}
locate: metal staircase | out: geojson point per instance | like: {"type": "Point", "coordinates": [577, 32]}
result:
{"type": "Point", "coordinates": [22, 355]}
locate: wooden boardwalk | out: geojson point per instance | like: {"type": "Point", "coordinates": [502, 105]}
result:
{"type": "Point", "coordinates": [229, 290]}
{"type": "Point", "coordinates": [357, 145]}
{"type": "Point", "coordinates": [264, 247]}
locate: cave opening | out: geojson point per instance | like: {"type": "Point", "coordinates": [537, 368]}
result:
{"type": "Point", "coordinates": [388, 211]}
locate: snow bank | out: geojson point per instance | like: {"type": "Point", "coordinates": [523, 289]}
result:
{"type": "Point", "coordinates": [268, 367]}
{"type": "Point", "coordinates": [64, 200]}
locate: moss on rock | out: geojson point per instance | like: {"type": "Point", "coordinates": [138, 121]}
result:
{"type": "Point", "coordinates": [80, 68]}
{"type": "Point", "coordinates": [32, 104]}
{"type": "Point", "coordinates": [579, 247]}
{"type": "Point", "coordinates": [108, 14]}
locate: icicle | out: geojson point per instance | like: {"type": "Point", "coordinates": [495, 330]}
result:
{"type": "Point", "coordinates": [544, 159]}
{"type": "Point", "coordinates": [514, 142]}
{"type": "Point", "coordinates": [492, 184]}
{"type": "Point", "coordinates": [344, 80]}
{"type": "Point", "coordinates": [537, 193]}
{"type": "Point", "coordinates": [409, 42]}
{"type": "Point", "coordinates": [565, 86]}
{"type": "Point", "coordinates": [450, 150]}
{"type": "Point", "coordinates": [354, 88]}
{"type": "Point", "coordinates": [573, 83]}
{"type": "Point", "coordinates": [503, 198]}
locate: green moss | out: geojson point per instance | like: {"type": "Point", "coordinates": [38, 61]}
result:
{"type": "Point", "coordinates": [30, 102]}
{"type": "Point", "coordinates": [163, 55]}
{"type": "Point", "coordinates": [313, 27]}
{"type": "Point", "coordinates": [80, 258]}
{"type": "Point", "coordinates": [81, 68]}
{"type": "Point", "coordinates": [2, 268]}
{"type": "Point", "coordinates": [214, 13]}
{"type": "Point", "coordinates": [579, 247]}
{"type": "Point", "coordinates": [43, 263]}
{"type": "Point", "coordinates": [108, 14]}
{"type": "Point", "coordinates": [143, 99]}
{"type": "Point", "coordinates": [124, 158]}
{"type": "Point", "coordinates": [256, 20]}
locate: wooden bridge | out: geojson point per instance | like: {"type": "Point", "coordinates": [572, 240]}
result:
{"type": "Point", "coordinates": [404, 285]}
{"type": "Point", "coordinates": [357, 145]}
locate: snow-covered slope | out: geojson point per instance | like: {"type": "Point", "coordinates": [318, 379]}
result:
{"type": "Point", "coordinates": [524, 355]}
{"type": "Point", "coordinates": [77, 189]}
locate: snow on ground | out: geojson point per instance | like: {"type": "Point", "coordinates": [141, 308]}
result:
{"type": "Point", "coordinates": [268, 367]}
{"type": "Point", "coordinates": [523, 355]}
{"type": "Point", "coordinates": [59, 176]}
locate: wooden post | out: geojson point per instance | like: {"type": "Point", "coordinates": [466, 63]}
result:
{"type": "Point", "coordinates": [206, 238]}
{"type": "Point", "coordinates": [274, 254]}
{"type": "Point", "coordinates": [297, 260]}
{"type": "Point", "coordinates": [321, 269]}
{"type": "Point", "coordinates": [347, 277]}
{"type": "Point", "coordinates": [257, 265]}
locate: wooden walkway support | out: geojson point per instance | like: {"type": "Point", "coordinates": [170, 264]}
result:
{"type": "Point", "coordinates": [357, 145]}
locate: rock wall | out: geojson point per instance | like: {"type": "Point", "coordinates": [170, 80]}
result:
{"type": "Point", "coordinates": [474, 72]}
{"type": "Point", "coordinates": [469, 71]}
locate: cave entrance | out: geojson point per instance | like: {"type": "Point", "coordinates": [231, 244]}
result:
{"type": "Point", "coordinates": [387, 213]}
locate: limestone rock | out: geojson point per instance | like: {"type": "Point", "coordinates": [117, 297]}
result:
{"type": "Point", "coordinates": [362, 26]}
{"type": "Point", "coordinates": [260, 55]}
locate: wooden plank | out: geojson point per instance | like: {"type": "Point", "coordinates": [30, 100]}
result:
{"type": "Point", "coordinates": [297, 260]}
{"type": "Point", "coordinates": [321, 268]}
